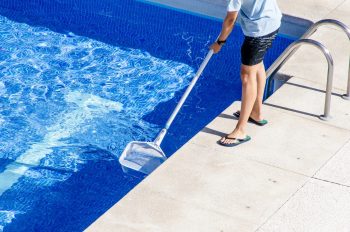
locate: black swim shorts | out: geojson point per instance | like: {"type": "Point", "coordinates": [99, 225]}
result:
{"type": "Point", "coordinates": [254, 48]}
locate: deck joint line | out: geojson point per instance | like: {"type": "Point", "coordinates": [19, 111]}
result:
{"type": "Point", "coordinates": [331, 182]}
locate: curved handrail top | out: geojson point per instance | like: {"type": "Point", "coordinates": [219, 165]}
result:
{"type": "Point", "coordinates": [292, 48]}
{"type": "Point", "coordinates": [322, 22]}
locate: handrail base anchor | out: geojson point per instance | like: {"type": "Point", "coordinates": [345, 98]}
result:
{"type": "Point", "coordinates": [346, 97]}
{"type": "Point", "coordinates": [325, 118]}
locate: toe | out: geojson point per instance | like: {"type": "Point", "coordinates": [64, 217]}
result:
{"type": "Point", "coordinates": [229, 140]}
{"type": "Point", "coordinates": [222, 140]}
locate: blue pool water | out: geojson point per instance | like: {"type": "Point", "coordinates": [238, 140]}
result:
{"type": "Point", "coordinates": [78, 81]}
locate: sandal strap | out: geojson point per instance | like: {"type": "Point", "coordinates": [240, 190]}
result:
{"type": "Point", "coordinates": [226, 137]}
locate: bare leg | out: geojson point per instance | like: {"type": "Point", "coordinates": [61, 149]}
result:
{"type": "Point", "coordinates": [261, 80]}
{"type": "Point", "coordinates": [249, 96]}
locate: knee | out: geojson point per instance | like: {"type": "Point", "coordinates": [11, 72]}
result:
{"type": "Point", "coordinates": [246, 79]}
{"type": "Point", "coordinates": [248, 75]}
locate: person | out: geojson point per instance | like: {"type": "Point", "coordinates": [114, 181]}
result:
{"type": "Point", "coordinates": [260, 21]}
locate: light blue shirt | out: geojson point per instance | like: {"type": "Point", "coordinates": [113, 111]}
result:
{"type": "Point", "coordinates": [257, 17]}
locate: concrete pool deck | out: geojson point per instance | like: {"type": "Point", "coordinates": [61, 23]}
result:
{"type": "Point", "coordinates": [293, 176]}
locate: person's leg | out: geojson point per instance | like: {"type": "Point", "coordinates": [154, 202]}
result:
{"type": "Point", "coordinates": [253, 83]}
{"type": "Point", "coordinates": [261, 80]}
{"type": "Point", "coordinates": [249, 96]}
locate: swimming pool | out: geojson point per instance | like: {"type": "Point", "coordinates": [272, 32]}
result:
{"type": "Point", "coordinates": [78, 81]}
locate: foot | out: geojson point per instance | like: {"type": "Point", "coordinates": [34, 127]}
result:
{"type": "Point", "coordinates": [253, 115]}
{"type": "Point", "coordinates": [256, 116]}
{"type": "Point", "coordinates": [233, 138]}
{"type": "Point", "coordinates": [253, 118]}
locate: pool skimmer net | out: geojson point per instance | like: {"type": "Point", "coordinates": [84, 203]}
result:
{"type": "Point", "coordinates": [145, 157]}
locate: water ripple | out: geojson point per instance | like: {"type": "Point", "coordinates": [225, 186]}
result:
{"type": "Point", "coordinates": [63, 96]}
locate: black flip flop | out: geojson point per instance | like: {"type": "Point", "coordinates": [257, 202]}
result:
{"type": "Point", "coordinates": [240, 141]}
{"type": "Point", "coordinates": [259, 123]}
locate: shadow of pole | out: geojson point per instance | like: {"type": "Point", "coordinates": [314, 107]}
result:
{"type": "Point", "coordinates": [213, 132]}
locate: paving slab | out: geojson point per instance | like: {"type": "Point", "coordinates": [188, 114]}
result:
{"type": "Point", "coordinates": [342, 13]}
{"type": "Point", "coordinates": [307, 99]}
{"type": "Point", "coordinates": [201, 190]}
{"type": "Point", "coordinates": [337, 169]}
{"type": "Point", "coordinates": [158, 214]}
{"type": "Point", "coordinates": [317, 207]}
{"type": "Point", "coordinates": [288, 142]}
{"type": "Point", "coordinates": [312, 9]}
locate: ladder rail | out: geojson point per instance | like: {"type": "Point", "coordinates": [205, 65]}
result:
{"type": "Point", "coordinates": [340, 25]}
{"type": "Point", "coordinates": [309, 33]}
{"type": "Point", "coordinates": [289, 53]}
{"type": "Point", "coordinates": [324, 22]}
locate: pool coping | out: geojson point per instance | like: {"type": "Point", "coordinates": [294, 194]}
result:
{"type": "Point", "coordinates": [291, 27]}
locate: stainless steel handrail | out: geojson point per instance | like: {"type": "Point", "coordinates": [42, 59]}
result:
{"type": "Point", "coordinates": [290, 51]}
{"type": "Point", "coordinates": [338, 24]}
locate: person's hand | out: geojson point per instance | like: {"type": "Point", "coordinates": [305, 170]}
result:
{"type": "Point", "coordinates": [216, 47]}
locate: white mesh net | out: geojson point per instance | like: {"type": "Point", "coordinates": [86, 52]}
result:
{"type": "Point", "coordinates": [142, 157]}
